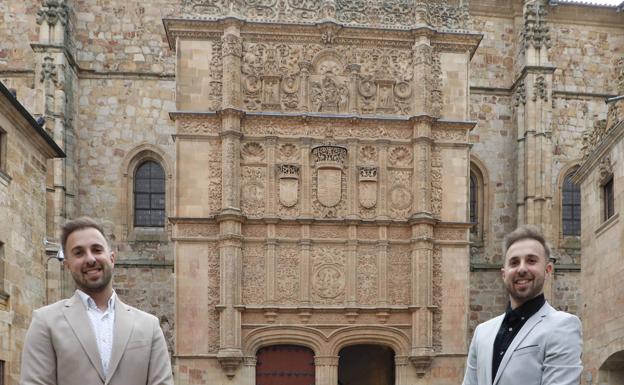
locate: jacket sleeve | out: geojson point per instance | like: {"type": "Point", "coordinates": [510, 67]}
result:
{"type": "Point", "coordinates": [38, 356]}
{"type": "Point", "coordinates": [160, 364]}
{"type": "Point", "coordinates": [562, 355]}
{"type": "Point", "coordinates": [470, 377]}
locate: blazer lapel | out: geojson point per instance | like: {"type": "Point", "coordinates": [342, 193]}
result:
{"type": "Point", "coordinates": [122, 330]}
{"type": "Point", "coordinates": [76, 315]}
{"type": "Point", "coordinates": [526, 329]}
{"type": "Point", "coordinates": [490, 336]}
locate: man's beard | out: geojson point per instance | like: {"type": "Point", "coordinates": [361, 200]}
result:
{"type": "Point", "coordinates": [93, 286]}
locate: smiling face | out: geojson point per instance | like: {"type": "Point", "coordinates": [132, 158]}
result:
{"type": "Point", "coordinates": [90, 261]}
{"type": "Point", "coordinates": [525, 271]}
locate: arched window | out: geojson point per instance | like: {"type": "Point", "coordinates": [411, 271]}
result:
{"type": "Point", "coordinates": [149, 195]}
{"type": "Point", "coordinates": [474, 203]}
{"type": "Point", "coordinates": [570, 206]}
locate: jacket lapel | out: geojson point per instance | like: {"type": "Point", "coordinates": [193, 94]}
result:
{"type": "Point", "coordinates": [76, 315]}
{"type": "Point", "coordinates": [122, 330]}
{"type": "Point", "coordinates": [526, 329]}
{"type": "Point", "coordinates": [490, 336]}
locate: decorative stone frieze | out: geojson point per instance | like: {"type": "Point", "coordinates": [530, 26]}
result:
{"type": "Point", "coordinates": [390, 13]}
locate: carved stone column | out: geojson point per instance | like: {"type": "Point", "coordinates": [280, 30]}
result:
{"type": "Point", "coordinates": [306, 177]}
{"type": "Point", "coordinates": [423, 60]}
{"type": "Point", "coordinates": [533, 99]}
{"type": "Point", "coordinates": [326, 370]}
{"type": "Point", "coordinates": [422, 353]}
{"type": "Point", "coordinates": [422, 146]}
{"type": "Point", "coordinates": [230, 220]}
{"type": "Point", "coordinates": [354, 74]}
{"type": "Point", "coordinates": [351, 268]}
{"type": "Point", "coordinates": [383, 179]}
{"type": "Point", "coordinates": [232, 50]}
{"type": "Point", "coordinates": [382, 268]}
{"type": "Point", "coordinates": [304, 67]}
{"type": "Point", "coordinates": [271, 197]}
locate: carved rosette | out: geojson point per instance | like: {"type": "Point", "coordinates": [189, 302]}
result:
{"type": "Point", "coordinates": [367, 186]}
{"type": "Point", "coordinates": [288, 175]}
{"type": "Point", "coordinates": [328, 276]}
{"type": "Point", "coordinates": [329, 161]}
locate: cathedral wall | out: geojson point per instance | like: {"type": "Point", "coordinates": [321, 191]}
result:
{"type": "Point", "coordinates": [123, 36]}
{"type": "Point", "coordinates": [18, 29]}
{"type": "Point", "coordinates": [493, 62]}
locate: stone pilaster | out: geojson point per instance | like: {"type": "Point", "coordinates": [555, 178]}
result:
{"type": "Point", "coordinates": [351, 268]}
{"type": "Point", "coordinates": [422, 144]}
{"type": "Point", "coordinates": [326, 370]}
{"type": "Point", "coordinates": [230, 219]}
{"type": "Point", "coordinates": [422, 353]}
{"type": "Point", "coordinates": [232, 50]}
{"type": "Point", "coordinates": [382, 267]}
{"type": "Point", "coordinates": [423, 60]}
{"type": "Point", "coordinates": [271, 197]}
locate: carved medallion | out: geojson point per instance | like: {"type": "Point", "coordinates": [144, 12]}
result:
{"type": "Point", "coordinates": [367, 186]}
{"type": "Point", "coordinates": [328, 280]}
{"type": "Point", "coordinates": [400, 197]}
{"type": "Point", "coordinates": [329, 162]}
{"type": "Point", "coordinates": [288, 184]}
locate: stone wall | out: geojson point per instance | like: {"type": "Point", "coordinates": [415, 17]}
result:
{"type": "Point", "coordinates": [23, 262]}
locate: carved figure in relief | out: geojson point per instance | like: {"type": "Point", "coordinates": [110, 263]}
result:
{"type": "Point", "coordinates": [328, 280]}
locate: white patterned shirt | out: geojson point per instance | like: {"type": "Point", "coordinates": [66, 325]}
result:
{"type": "Point", "coordinates": [102, 324]}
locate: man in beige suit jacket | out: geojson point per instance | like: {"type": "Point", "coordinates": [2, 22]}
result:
{"type": "Point", "coordinates": [70, 342]}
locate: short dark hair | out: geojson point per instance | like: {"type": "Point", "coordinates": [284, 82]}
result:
{"type": "Point", "coordinates": [525, 232]}
{"type": "Point", "coordinates": [80, 224]}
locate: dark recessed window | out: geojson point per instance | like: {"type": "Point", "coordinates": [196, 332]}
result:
{"type": "Point", "coordinates": [149, 195]}
{"type": "Point", "coordinates": [474, 205]}
{"type": "Point", "coordinates": [608, 199]}
{"type": "Point", "coordinates": [571, 207]}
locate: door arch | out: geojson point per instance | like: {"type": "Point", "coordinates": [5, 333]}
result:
{"type": "Point", "coordinates": [285, 365]}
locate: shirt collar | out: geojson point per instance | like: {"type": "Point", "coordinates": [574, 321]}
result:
{"type": "Point", "coordinates": [89, 303]}
{"type": "Point", "coordinates": [527, 309]}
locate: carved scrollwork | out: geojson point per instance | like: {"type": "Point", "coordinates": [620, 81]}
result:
{"type": "Point", "coordinates": [288, 276]}
{"type": "Point", "coordinates": [330, 153]}
{"type": "Point", "coordinates": [368, 154]}
{"type": "Point", "coordinates": [371, 13]}
{"type": "Point", "coordinates": [253, 181]}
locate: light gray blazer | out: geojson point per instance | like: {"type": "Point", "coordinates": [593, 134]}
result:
{"type": "Point", "coordinates": [546, 351]}
{"type": "Point", "coordinates": [60, 348]}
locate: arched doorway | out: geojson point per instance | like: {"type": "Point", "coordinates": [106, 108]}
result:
{"type": "Point", "coordinates": [612, 371]}
{"type": "Point", "coordinates": [285, 365]}
{"type": "Point", "coordinates": [366, 365]}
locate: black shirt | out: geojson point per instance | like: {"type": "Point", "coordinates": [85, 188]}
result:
{"type": "Point", "coordinates": [512, 323]}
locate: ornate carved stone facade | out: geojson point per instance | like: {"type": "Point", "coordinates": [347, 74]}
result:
{"type": "Point", "coordinates": [274, 244]}
{"type": "Point", "coordinates": [326, 145]}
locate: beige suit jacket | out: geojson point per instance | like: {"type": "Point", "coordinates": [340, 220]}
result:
{"type": "Point", "coordinates": [60, 348]}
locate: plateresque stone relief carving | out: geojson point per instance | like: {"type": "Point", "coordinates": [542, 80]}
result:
{"type": "Point", "coordinates": [390, 13]}
{"type": "Point", "coordinates": [281, 77]}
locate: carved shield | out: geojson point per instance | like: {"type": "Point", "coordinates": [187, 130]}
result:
{"type": "Point", "coordinates": [368, 193]}
{"type": "Point", "coordinates": [329, 186]}
{"type": "Point", "coordinates": [288, 190]}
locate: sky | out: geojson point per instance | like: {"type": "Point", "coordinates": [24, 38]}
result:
{"type": "Point", "coordinates": [601, 2]}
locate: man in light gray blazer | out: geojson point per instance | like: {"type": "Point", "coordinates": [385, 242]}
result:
{"type": "Point", "coordinates": [93, 337]}
{"type": "Point", "coordinates": [531, 343]}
